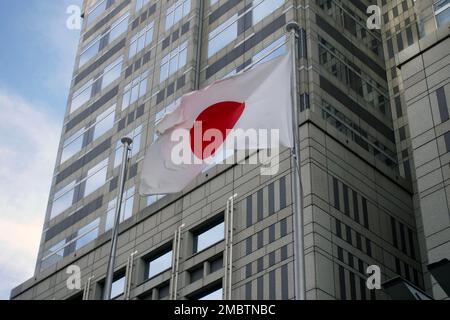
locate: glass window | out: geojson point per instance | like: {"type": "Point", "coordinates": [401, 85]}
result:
{"type": "Point", "coordinates": [209, 237]}
{"type": "Point", "coordinates": [118, 28]}
{"type": "Point", "coordinates": [159, 264]}
{"type": "Point", "coordinates": [140, 40]}
{"type": "Point", "coordinates": [96, 11]}
{"type": "Point", "coordinates": [215, 295]}
{"type": "Point", "coordinates": [263, 8]}
{"type": "Point", "coordinates": [72, 145]}
{"type": "Point", "coordinates": [104, 122]}
{"type": "Point", "coordinates": [112, 73]}
{"type": "Point", "coordinates": [118, 287]}
{"type": "Point", "coordinates": [174, 61]}
{"type": "Point", "coordinates": [140, 4]}
{"type": "Point", "coordinates": [168, 109]}
{"type": "Point", "coordinates": [176, 12]}
{"type": "Point", "coordinates": [154, 198]}
{"type": "Point", "coordinates": [220, 37]}
{"type": "Point", "coordinates": [275, 49]}
{"type": "Point", "coordinates": [53, 255]}
{"type": "Point", "coordinates": [135, 90]}
{"type": "Point", "coordinates": [86, 92]}
{"type": "Point", "coordinates": [442, 12]}
{"type": "Point", "coordinates": [96, 177]}
{"type": "Point", "coordinates": [89, 51]}
{"type": "Point", "coordinates": [94, 47]}
{"type": "Point", "coordinates": [126, 210]}
{"type": "Point", "coordinates": [63, 199]}
{"type": "Point", "coordinates": [87, 234]}
{"type": "Point", "coordinates": [81, 96]}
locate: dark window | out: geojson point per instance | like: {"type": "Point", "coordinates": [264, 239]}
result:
{"type": "Point", "coordinates": [403, 238]}
{"type": "Point", "coordinates": [163, 291]}
{"type": "Point", "coordinates": [411, 244]}
{"type": "Point", "coordinates": [407, 273]}
{"type": "Point", "coordinates": [248, 246]}
{"type": "Point", "coordinates": [272, 285]}
{"type": "Point", "coordinates": [283, 227]}
{"type": "Point", "coordinates": [442, 103]}
{"type": "Point", "coordinates": [398, 107]}
{"type": "Point", "coordinates": [260, 239]}
{"type": "Point", "coordinates": [271, 258]}
{"type": "Point", "coordinates": [196, 274]}
{"type": "Point", "coordinates": [215, 264]}
{"type": "Point", "coordinates": [272, 233]}
{"type": "Point", "coordinates": [447, 141]}
{"type": "Point", "coordinates": [284, 283]}
{"type": "Point", "coordinates": [338, 228]}
{"type": "Point", "coordinates": [249, 211]}
{"type": "Point", "coordinates": [340, 254]}
{"type": "Point", "coordinates": [362, 288]}
{"type": "Point", "coordinates": [349, 234]}
{"type": "Point", "coordinates": [248, 270]}
{"type": "Point", "coordinates": [358, 241]}
{"type": "Point", "coordinates": [352, 286]}
{"type": "Point", "coordinates": [355, 206]}
{"type": "Point", "coordinates": [346, 202]}
{"type": "Point", "coordinates": [283, 193]}
{"type": "Point", "coordinates": [398, 268]}
{"type": "Point", "coordinates": [402, 133]}
{"type": "Point", "coordinates": [284, 253]}
{"type": "Point", "coordinates": [260, 204]}
{"type": "Point", "coordinates": [399, 42]}
{"type": "Point", "coordinates": [260, 288]}
{"type": "Point", "coordinates": [342, 283]}
{"type": "Point", "coordinates": [409, 36]}
{"type": "Point", "coordinates": [260, 264]}
{"type": "Point", "coordinates": [365, 213]}
{"type": "Point", "coordinates": [248, 291]}
{"type": "Point", "coordinates": [271, 198]}
{"type": "Point", "coordinates": [369, 247]}
{"type": "Point", "coordinates": [394, 232]}
{"type": "Point", "coordinates": [336, 193]}
{"type": "Point", "coordinates": [390, 48]}
{"type": "Point", "coordinates": [351, 260]}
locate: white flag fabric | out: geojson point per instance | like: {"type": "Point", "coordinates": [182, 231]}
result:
{"type": "Point", "coordinates": [256, 99]}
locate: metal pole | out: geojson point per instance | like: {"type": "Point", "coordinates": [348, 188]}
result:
{"type": "Point", "coordinates": [177, 262]}
{"type": "Point", "coordinates": [299, 254]}
{"type": "Point", "coordinates": [115, 232]}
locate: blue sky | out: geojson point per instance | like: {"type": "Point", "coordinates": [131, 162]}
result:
{"type": "Point", "coordinates": [36, 64]}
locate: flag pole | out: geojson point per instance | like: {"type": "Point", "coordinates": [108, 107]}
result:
{"type": "Point", "coordinates": [299, 255]}
{"type": "Point", "coordinates": [115, 232]}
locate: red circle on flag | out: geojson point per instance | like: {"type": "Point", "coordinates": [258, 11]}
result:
{"type": "Point", "coordinates": [221, 116]}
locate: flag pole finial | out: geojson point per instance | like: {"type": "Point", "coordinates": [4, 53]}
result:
{"type": "Point", "coordinates": [292, 26]}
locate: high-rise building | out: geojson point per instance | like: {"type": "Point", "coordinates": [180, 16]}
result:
{"type": "Point", "coordinates": [136, 58]}
{"type": "Point", "coordinates": [425, 70]}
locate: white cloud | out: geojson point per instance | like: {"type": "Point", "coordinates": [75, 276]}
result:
{"type": "Point", "coordinates": [28, 145]}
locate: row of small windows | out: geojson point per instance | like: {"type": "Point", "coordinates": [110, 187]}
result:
{"type": "Point", "coordinates": [347, 19]}
{"type": "Point", "coordinates": [360, 82]}
{"type": "Point", "coordinates": [355, 206]}
{"type": "Point", "coordinates": [109, 74]}
{"type": "Point", "coordinates": [96, 177]}
{"type": "Point", "coordinates": [98, 44]}
{"type": "Point", "coordinates": [228, 31]}
{"type": "Point", "coordinates": [356, 133]}
{"type": "Point", "coordinates": [97, 9]}
{"type": "Point", "coordinates": [75, 142]}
